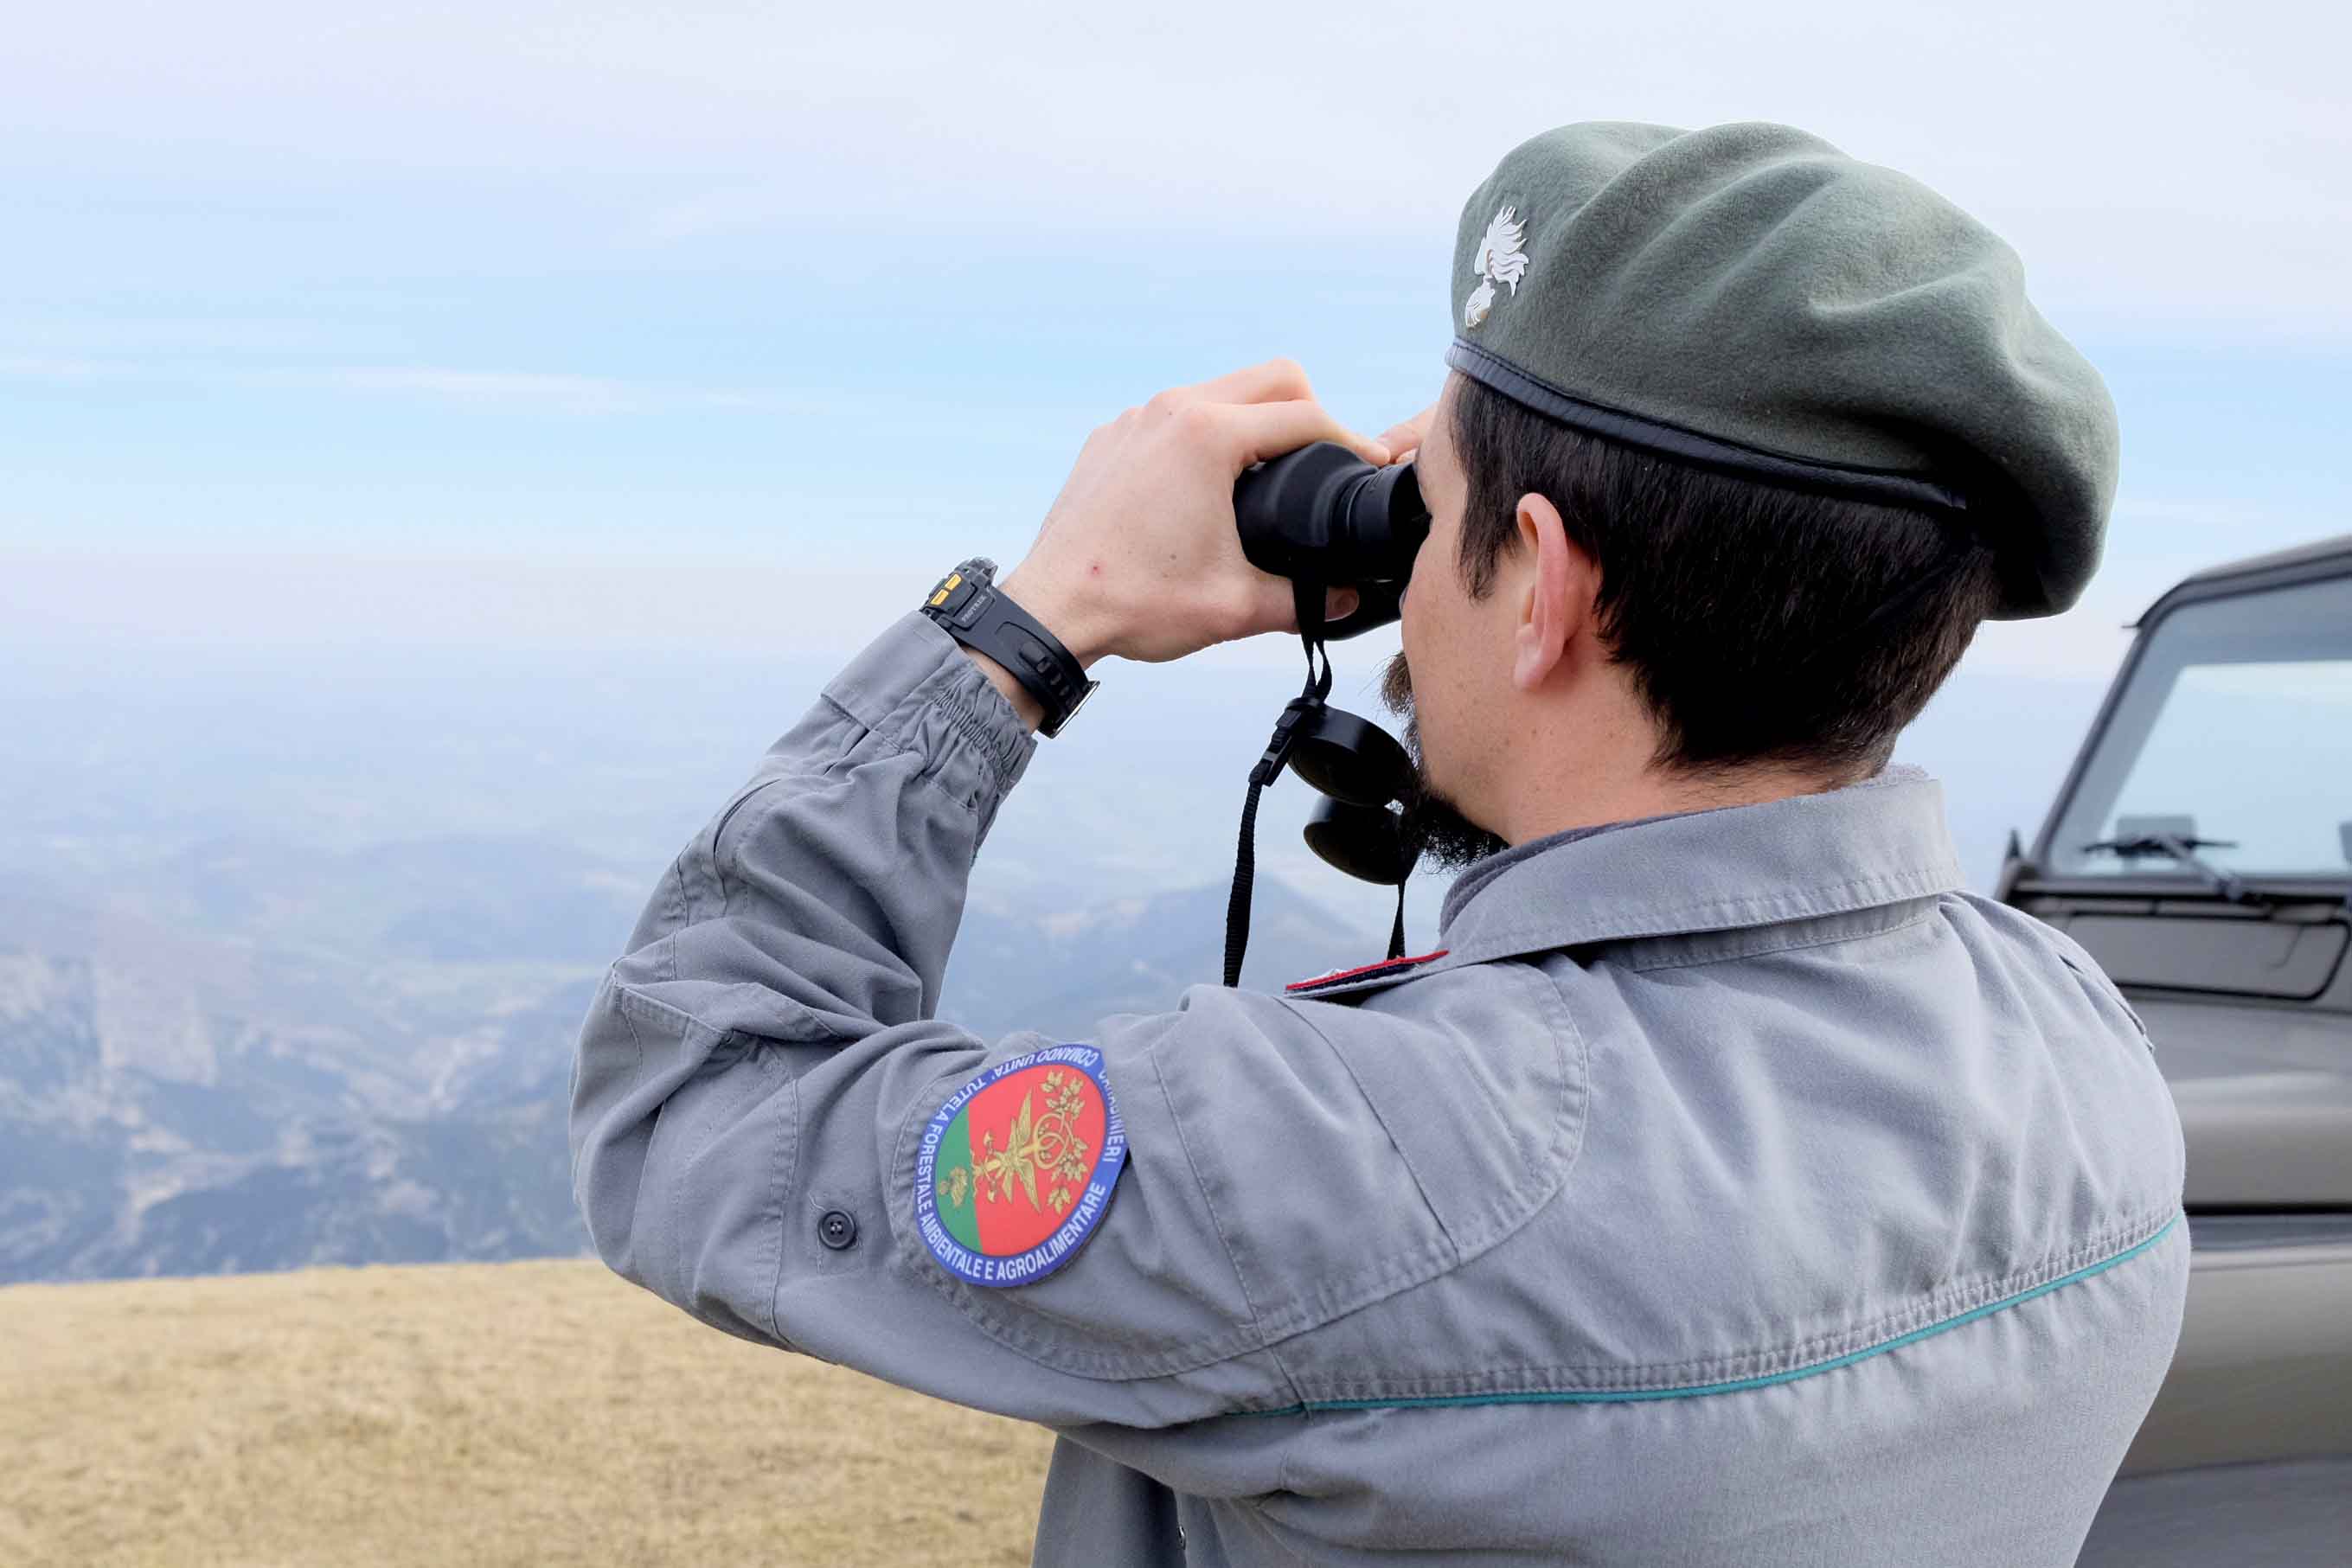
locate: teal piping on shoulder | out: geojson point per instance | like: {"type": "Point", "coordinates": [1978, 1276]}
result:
{"type": "Point", "coordinates": [1738, 1385]}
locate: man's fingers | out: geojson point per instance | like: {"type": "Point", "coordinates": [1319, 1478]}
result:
{"type": "Point", "coordinates": [1264, 430]}
{"type": "Point", "coordinates": [1404, 438]}
{"type": "Point", "coordinates": [1276, 380]}
{"type": "Point", "coordinates": [1272, 409]}
{"type": "Point", "coordinates": [1276, 609]}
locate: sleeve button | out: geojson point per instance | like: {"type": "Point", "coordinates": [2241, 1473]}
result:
{"type": "Point", "coordinates": [837, 1229]}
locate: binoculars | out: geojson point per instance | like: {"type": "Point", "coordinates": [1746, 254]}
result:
{"type": "Point", "coordinates": [1325, 519]}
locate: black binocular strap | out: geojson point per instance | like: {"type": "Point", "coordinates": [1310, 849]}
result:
{"type": "Point", "coordinates": [1269, 769]}
{"type": "Point", "coordinates": [1237, 907]}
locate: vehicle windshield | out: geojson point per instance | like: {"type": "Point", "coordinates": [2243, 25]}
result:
{"type": "Point", "coordinates": [2233, 740]}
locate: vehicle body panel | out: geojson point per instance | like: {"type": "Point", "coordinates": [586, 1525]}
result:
{"type": "Point", "coordinates": [2246, 993]}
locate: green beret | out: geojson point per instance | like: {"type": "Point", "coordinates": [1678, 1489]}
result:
{"type": "Point", "coordinates": [1751, 300]}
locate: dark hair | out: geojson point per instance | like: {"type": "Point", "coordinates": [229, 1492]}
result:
{"type": "Point", "coordinates": [1744, 610]}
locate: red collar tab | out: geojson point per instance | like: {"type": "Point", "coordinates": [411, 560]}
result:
{"type": "Point", "coordinates": [1386, 966]}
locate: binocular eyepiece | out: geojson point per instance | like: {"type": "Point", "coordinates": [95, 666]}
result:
{"type": "Point", "coordinates": [1324, 517]}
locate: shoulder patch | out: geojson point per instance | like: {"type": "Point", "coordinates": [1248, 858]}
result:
{"type": "Point", "coordinates": [1016, 1169]}
{"type": "Point", "coordinates": [1365, 971]}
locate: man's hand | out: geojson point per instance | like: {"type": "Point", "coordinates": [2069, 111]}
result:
{"type": "Point", "coordinates": [1403, 440]}
{"type": "Point", "coordinates": [1140, 556]}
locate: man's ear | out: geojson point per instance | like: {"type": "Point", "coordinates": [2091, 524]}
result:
{"type": "Point", "coordinates": [1555, 597]}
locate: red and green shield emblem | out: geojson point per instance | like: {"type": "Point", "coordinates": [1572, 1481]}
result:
{"type": "Point", "coordinates": [1016, 1169]}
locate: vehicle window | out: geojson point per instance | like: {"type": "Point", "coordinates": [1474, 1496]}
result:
{"type": "Point", "coordinates": [2234, 737]}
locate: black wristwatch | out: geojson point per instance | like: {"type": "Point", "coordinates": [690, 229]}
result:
{"type": "Point", "coordinates": [972, 609]}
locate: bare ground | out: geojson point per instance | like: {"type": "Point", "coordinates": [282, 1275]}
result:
{"type": "Point", "coordinates": [542, 1412]}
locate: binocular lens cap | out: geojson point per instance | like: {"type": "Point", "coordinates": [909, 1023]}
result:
{"type": "Point", "coordinates": [1365, 841]}
{"type": "Point", "coordinates": [1340, 755]}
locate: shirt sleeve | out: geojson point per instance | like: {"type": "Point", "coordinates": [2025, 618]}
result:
{"type": "Point", "coordinates": [756, 1069]}
{"type": "Point", "coordinates": [757, 1072]}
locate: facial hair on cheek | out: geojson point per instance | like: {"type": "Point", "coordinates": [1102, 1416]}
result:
{"type": "Point", "coordinates": [1396, 695]}
{"type": "Point", "coordinates": [1448, 840]}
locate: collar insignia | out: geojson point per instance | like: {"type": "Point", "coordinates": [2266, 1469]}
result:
{"type": "Point", "coordinates": [1362, 972]}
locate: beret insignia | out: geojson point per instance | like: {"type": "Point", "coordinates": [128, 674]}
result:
{"type": "Point", "coordinates": [1016, 1169]}
{"type": "Point", "coordinates": [1499, 258]}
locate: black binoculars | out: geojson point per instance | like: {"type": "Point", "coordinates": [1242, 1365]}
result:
{"type": "Point", "coordinates": [1324, 517]}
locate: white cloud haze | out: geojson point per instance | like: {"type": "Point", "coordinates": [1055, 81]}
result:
{"type": "Point", "coordinates": [2173, 175]}
{"type": "Point", "coordinates": [2187, 158]}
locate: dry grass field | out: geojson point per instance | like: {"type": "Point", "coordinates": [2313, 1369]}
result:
{"type": "Point", "coordinates": [540, 1412]}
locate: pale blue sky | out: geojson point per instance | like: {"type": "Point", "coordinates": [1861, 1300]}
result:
{"type": "Point", "coordinates": [583, 323]}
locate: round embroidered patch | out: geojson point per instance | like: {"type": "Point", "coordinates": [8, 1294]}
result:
{"type": "Point", "coordinates": [1017, 1167]}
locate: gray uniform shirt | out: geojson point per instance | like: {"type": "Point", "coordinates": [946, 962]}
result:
{"type": "Point", "coordinates": [1732, 1189]}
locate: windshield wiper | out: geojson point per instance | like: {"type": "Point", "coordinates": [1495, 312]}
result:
{"type": "Point", "coordinates": [2183, 851]}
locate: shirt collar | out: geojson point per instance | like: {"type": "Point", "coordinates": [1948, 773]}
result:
{"type": "Point", "coordinates": [1875, 842]}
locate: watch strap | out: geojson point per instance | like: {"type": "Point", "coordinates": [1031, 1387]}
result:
{"type": "Point", "coordinates": [968, 606]}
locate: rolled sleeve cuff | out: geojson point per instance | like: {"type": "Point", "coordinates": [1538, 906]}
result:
{"type": "Point", "coordinates": [915, 686]}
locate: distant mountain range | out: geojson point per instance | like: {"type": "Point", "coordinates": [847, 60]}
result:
{"type": "Point", "coordinates": [251, 1058]}
{"type": "Point", "coordinates": [293, 951]}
